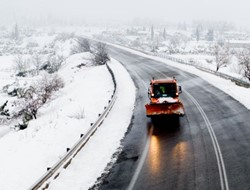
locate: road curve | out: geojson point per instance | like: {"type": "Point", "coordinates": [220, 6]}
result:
{"type": "Point", "coordinates": [208, 148]}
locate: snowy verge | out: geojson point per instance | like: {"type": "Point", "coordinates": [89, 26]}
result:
{"type": "Point", "coordinates": [239, 93]}
{"type": "Point", "coordinates": [92, 160]}
{"type": "Point", "coordinates": [25, 155]}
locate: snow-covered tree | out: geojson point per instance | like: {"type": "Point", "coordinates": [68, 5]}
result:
{"type": "Point", "coordinates": [37, 61]}
{"type": "Point", "coordinates": [82, 45]}
{"type": "Point", "coordinates": [244, 61]}
{"type": "Point", "coordinates": [35, 97]}
{"type": "Point", "coordinates": [198, 33]}
{"type": "Point", "coordinates": [47, 85]}
{"type": "Point", "coordinates": [173, 44]}
{"type": "Point", "coordinates": [101, 56]}
{"type": "Point", "coordinates": [136, 43]}
{"type": "Point", "coordinates": [15, 34]}
{"type": "Point", "coordinates": [210, 35]}
{"type": "Point", "coordinates": [164, 34]}
{"type": "Point", "coordinates": [20, 64]}
{"type": "Point", "coordinates": [53, 63]}
{"type": "Point", "coordinates": [222, 56]}
{"type": "Point", "coordinates": [152, 32]}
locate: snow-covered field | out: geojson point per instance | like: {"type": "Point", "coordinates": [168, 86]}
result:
{"type": "Point", "coordinates": [208, 61]}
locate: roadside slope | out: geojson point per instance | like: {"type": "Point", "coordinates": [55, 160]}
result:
{"type": "Point", "coordinates": [26, 154]}
{"type": "Point", "coordinates": [90, 163]}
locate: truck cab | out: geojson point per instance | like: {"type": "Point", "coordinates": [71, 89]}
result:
{"type": "Point", "coordinates": [164, 98]}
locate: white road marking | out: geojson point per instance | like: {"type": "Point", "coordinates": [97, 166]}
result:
{"type": "Point", "coordinates": [145, 150]}
{"type": "Point", "coordinates": [219, 158]}
{"type": "Point", "coordinates": [141, 161]}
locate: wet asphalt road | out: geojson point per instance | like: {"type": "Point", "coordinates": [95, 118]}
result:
{"type": "Point", "coordinates": [208, 148]}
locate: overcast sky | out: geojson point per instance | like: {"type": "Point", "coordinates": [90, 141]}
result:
{"type": "Point", "coordinates": [236, 11]}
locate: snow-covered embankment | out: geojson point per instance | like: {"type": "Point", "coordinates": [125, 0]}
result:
{"type": "Point", "coordinates": [93, 159]}
{"type": "Point", "coordinates": [25, 155]}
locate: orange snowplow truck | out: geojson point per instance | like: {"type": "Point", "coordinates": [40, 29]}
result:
{"type": "Point", "coordinates": [164, 98]}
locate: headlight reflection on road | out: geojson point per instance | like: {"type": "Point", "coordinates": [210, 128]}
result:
{"type": "Point", "coordinates": [180, 152]}
{"type": "Point", "coordinates": [154, 155]}
{"type": "Point", "coordinates": [177, 155]}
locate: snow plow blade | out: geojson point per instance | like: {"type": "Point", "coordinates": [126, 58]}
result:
{"type": "Point", "coordinates": [164, 109]}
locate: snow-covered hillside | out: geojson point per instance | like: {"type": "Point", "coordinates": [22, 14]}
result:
{"type": "Point", "coordinates": [26, 154]}
{"type": "Point", "coordinates": [64, 116]}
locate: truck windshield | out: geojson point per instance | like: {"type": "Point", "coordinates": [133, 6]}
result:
{"type": "Point", "coordinates": [164, 90]}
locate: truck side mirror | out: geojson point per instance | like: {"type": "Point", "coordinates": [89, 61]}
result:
{"type": "Point", "coordinates": [180, 90]}
{"type": "Point", "coordinates": [148, 93]}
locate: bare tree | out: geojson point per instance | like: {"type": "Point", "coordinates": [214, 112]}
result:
{"type": "Point", "coordinates": [222, 56]}
{"type": "Point", "coordinates": [136, 43]}
{"type": "Point", "coordinates": [164, 34]}
{"type": "Point", "coordinates": [101, 56]}
{"type": "Point", "coordinates": [21, 63]}
{"type": "Point", "coordinates": [35, 97]}
{"type": "Point", "coordinates": [198, 33]}
{"type": "Point", "coordinates": [37, 61]}
{"type": "Point", "coordinates": [173, 44]}
{"type": "Point", "coordinates": [57, 63]}
{"type": "Point", "coordinates": [47, 85]}
{"type": "Point", "coordinates": [152, 32]}
{"type": "Point", "coordinates": [15, 34]}
{"type": "Point", "coordinates": [244, 61]}
{"type": "Point", "coordinates": [82, 45]}
{"type": "Point", "coordinates": [53, 63]}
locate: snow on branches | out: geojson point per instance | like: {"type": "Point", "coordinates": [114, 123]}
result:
{"type": "Point", "coordinates": [222, 56]}
{"type": "Point", "coordinates": [244, 61]}
{"type": "Point", "coordinates": [35, 97]}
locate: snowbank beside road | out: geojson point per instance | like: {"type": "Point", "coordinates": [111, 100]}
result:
{"type": "Point", "coordinates": [92, 160]}
{"type": "Point", "coordinates": [25, 155]}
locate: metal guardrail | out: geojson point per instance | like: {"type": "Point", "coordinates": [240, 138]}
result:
{"type": "Point", "coordinates": [237, 81]}
{"type": "Point", "coordinates": [54, 171]}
